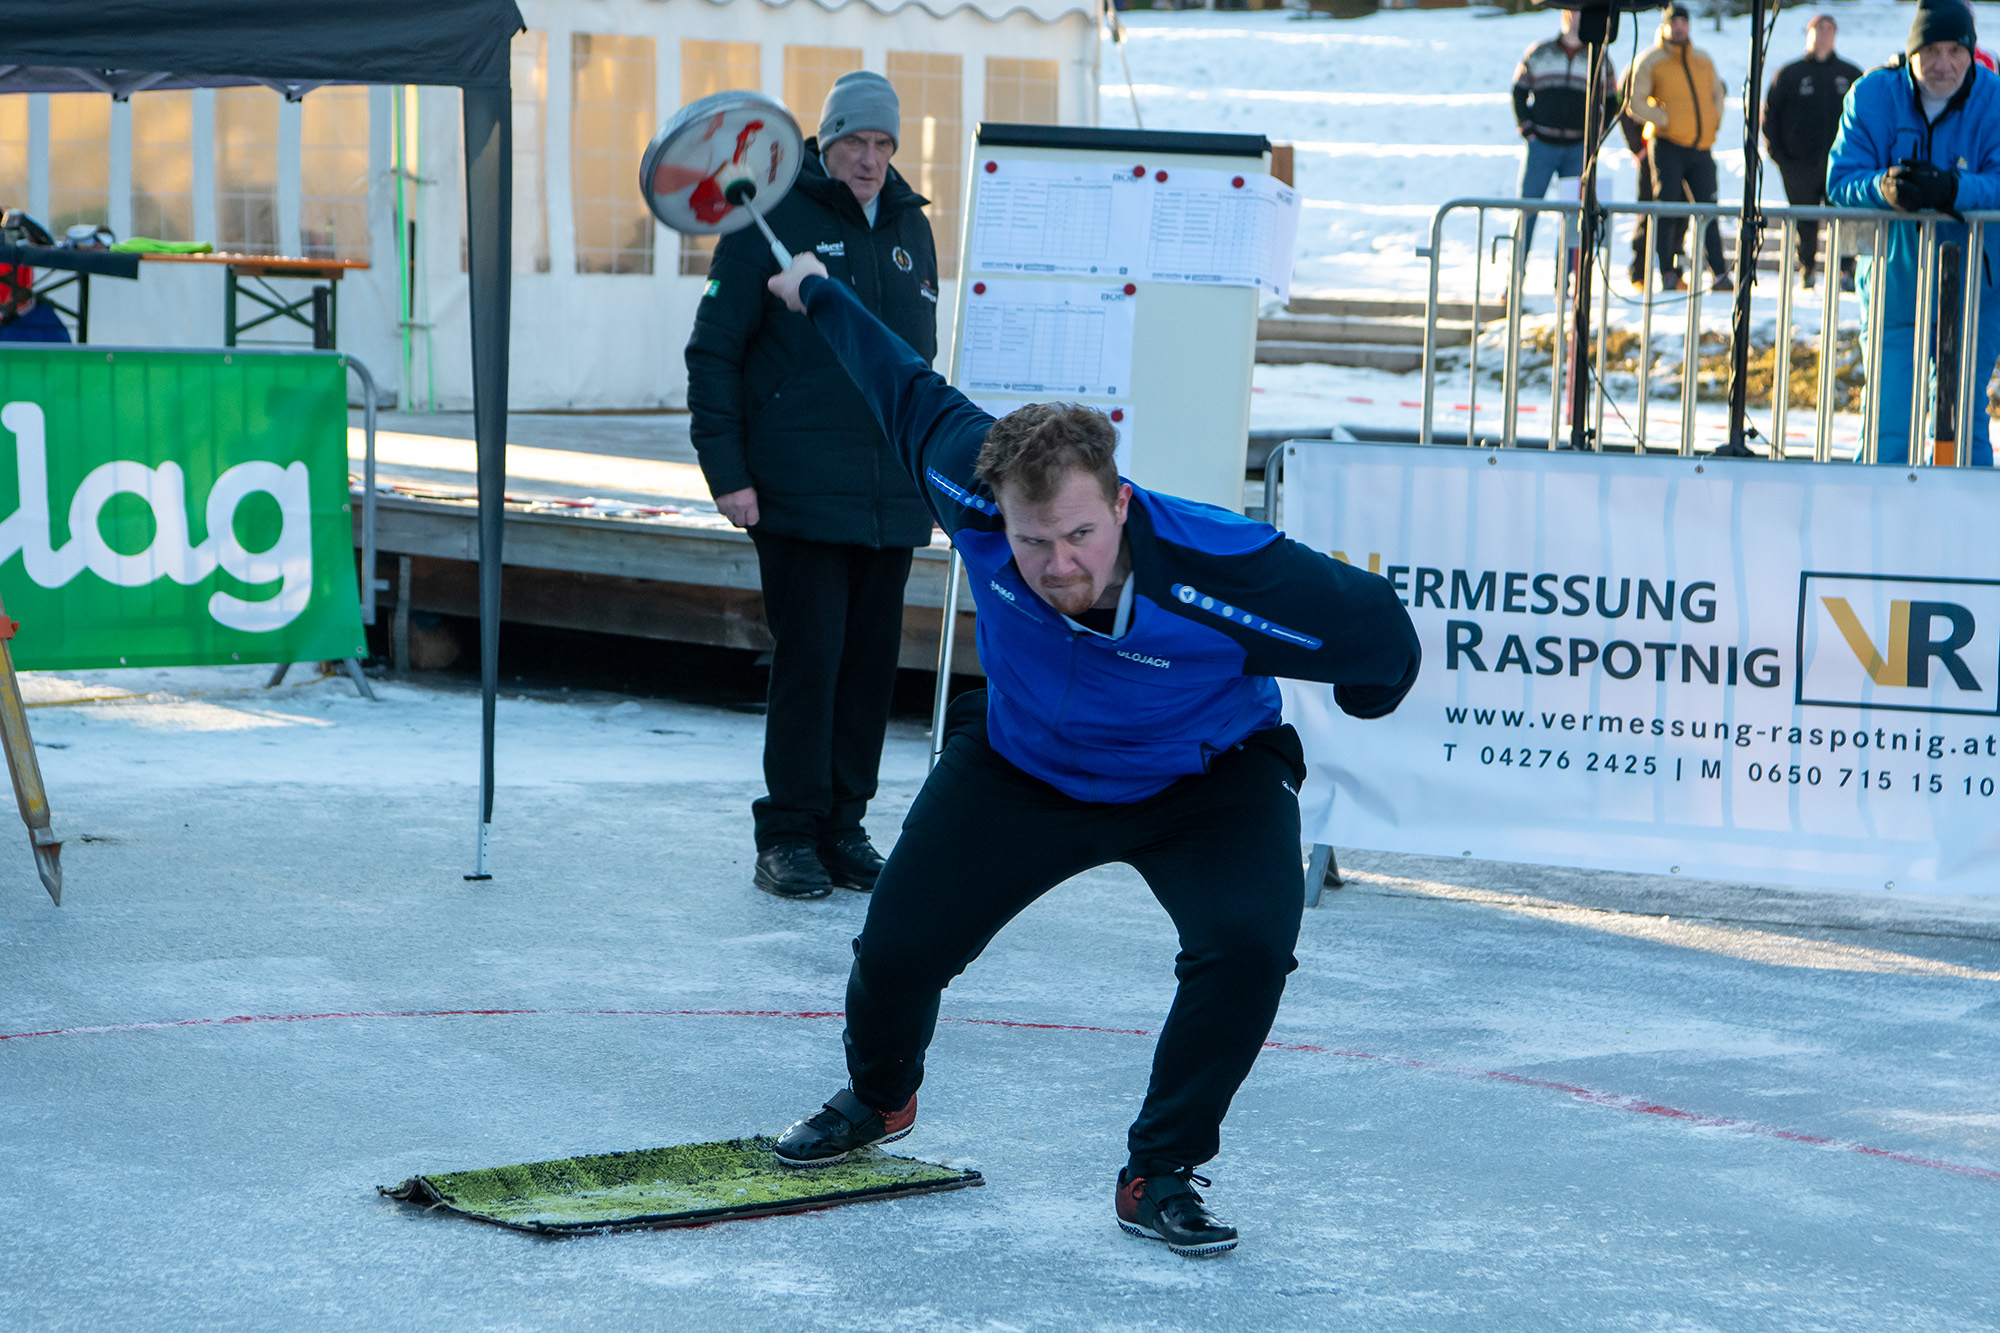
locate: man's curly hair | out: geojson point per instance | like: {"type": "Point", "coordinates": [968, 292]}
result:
{"type": "Point", "coordinates": [1035, 447]}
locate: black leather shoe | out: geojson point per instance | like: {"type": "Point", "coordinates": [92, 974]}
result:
{"type": "Point", "coordinates": [1166, 1208]}
{"type": "Point", "coordinates": [791, 870]}
{"type": "Point", "coordinates": [851, 861]}
{"type": "Point", "coordinates": [845, 1124]}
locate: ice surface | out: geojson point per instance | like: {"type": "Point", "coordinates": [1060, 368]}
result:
{"type": "Point", "coordinates": [1506, 1097]}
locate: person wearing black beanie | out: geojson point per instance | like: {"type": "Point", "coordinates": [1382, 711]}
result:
{"type": "Point", "coordinates": [1922, 136]}
{"type": "Point", "coordinates": [1941, 21]}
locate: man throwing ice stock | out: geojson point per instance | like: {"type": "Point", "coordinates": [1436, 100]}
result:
{"type": "Point", "coordinates": [1129, 640]}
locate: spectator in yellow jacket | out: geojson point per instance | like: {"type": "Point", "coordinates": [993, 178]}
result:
{"type": "Point", "coordinates": [1677, 92]}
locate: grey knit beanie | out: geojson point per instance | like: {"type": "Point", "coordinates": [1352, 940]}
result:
{"type": "Point", "coordinates": [859, 101]}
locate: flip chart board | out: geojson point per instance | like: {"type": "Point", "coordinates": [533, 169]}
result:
{"type": "Point", "coordinates": [1124, 269]}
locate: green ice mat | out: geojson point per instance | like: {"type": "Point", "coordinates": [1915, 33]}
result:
{"type": "Point", "coordinates": [670, 1187]}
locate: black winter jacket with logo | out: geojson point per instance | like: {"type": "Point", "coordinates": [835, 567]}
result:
{"type": "Point", "coordinates": [1802, 110]}
{"type": "Point", "coordinates": [772, 407]}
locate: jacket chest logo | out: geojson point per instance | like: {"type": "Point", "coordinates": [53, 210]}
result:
{"type": "Point", "coordinates": [835, 249]}
{"type": "Point", "coordinates": [902, 258]}
{"type": "Point", "coordinates": [1805, 86]}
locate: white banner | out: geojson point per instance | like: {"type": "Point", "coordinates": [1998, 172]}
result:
{"type": "Point", "coordinates": [1776, 672]}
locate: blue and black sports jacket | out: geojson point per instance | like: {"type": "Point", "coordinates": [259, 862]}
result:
{"type": "Point", "coordinates": [1221, 604]}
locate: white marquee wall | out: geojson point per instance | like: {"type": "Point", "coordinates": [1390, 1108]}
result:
{"type": "Point", "coordinates": [581, 340]}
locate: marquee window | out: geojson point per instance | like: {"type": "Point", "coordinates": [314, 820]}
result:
{"type": "Point", "coordinates": [14, 151]}
{"type": "Point", "coordinates": [809, 75]}
{"type": "Point", "coordinates": [163, 165]}
{"type": "Point", "coordinates": [708, 68]}
{"type": "Point", "coordinates": [531, 151]}
{"type": "Point", "coordinates": [611, 121]}
{"type": "Point", "coordinates": [1021, 92]}
{"type": "Point", "coordinates": [333, 173]}
{"type": "Point", "coordinates": [246, 170]}
{"type": "Point", "coordinates": [79, 160]}
{"type": "Point", "coordinates": [930, 153]}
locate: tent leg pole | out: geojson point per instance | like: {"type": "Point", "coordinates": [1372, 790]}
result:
{"type": "Point", "coordinates": [277, 675]}
{"type": "Point", "coordinates": [1316, 866]}
{"type": "Point", "coordinates": [489, 194]}
{"type": "Point", "coordinates": [946, 644]}
{"type": "Point", "coordinates": [353, 668]}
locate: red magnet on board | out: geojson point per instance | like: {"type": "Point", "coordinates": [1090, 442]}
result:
{"type": "Point", "coordinates": [1235, 181]}
{"type": "Point", "coordinates": [1117, 414]}
{"type": "Point", "coordinates": [992, 167]}
{"type": "Point", "coordinates": [979, 289]}
{"type": "Point", "coordinates": [1131, 289]}
{"type": "Point", "coordinates": [1138, 173]}
{"type": "Point", "coordinates": [1160, 176]}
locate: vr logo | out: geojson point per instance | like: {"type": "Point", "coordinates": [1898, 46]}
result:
{"type": "Point", "coordinates": [1908, 662]}
{"type": "Point", "coordinates": [1903, 644]}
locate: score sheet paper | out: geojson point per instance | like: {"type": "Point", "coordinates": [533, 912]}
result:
{"type": "Point", "coordinates": [1059, 217]}
{"type": "Point", "coordinates": [1126, 219]}
{"type": "Point", "coordinates": [1229, 228]}
{"type": "Point", "coordinates": [1046, 339]}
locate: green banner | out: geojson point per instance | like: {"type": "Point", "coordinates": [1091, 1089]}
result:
{"type": "Point", "coordinates": [174, 508]}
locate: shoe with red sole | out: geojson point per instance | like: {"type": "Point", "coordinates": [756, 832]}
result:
{"type": "Point", "coordinates": [846, 1124]}
{"type": "Point", "coordinates": [1166, 1208]}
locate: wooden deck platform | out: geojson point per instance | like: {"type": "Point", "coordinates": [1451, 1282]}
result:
{"type": "Point", "coordinates": [689, 578]}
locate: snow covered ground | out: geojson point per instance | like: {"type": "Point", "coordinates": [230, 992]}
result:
{"type": "Point", "coordinates": [1502, 1097]}
{"type": "Point", "coordinates": [1395, 114]}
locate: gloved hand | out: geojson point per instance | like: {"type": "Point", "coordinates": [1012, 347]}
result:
{"type": "Point", "coordinates": [1914, 186]}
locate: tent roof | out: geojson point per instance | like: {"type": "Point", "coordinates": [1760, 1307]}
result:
{"type": "Point", "coordinates": [124, 46]}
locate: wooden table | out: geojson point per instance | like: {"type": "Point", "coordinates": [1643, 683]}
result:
{"type": "Point", "coordinates": [320, 304]}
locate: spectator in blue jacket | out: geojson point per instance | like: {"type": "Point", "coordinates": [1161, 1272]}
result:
{"type": "Point", "coordinates": [1129, 639]}
{"type": "Point", "coordinates": [1923, 135]}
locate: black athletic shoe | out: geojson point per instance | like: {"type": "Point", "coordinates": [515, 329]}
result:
{"type": "Point", "coordinates": [844, 1125]}
{"type": "Point", "coordinates": [1722, 283]}
{"type": "Point", "coordinates": [791, 870]}
{"type": "Point", "coordinates": [851, 861]}
{"type": "Point", "coordinates": [1166, 1208]}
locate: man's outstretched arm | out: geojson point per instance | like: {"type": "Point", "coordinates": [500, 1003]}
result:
{"type": "Point", "coordinates": [933, 427]}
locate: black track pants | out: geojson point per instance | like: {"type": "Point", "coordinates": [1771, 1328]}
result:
{"type": "Point", "coordinates": [837, 614]}
{"type": "Point", "coordinates": [1220, 851]}
{"type": "Point", "coordinates": [1805, 187]}
{"type": "Point", "coordinates": [1685, 175]}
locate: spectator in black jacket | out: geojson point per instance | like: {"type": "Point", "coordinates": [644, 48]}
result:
{"type": "Point", "coordinates": [1801, 121]}
{"type": "Point", "coordinates": [792, 453]}
{"type": "Point", "coordinates": [1551, 95]}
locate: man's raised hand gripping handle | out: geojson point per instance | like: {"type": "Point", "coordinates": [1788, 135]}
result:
{"type": "Point", "coordinates": [935, 430]}
{"type": "Point", "coordinates": [785, 286]}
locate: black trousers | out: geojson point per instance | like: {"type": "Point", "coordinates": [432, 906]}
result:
{"type": "Point", "coordinates": [837, 614]}
{"type": "Point", "coordinates": [1220, 850]}
{"type": "Point", "coordinates": [1684, 175]}
{"type": "Point", "coordinates": [1805, 186]}
{"type": "Point", "coordinates": [1643, 193]}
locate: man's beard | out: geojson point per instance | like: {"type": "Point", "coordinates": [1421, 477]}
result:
{"type": "Point", "coordinates": [1072, 597]}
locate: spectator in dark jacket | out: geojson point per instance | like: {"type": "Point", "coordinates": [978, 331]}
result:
{"type": "Point", "coordinates": [1801, 121]}
{"type": "Point", "coordinates": [1551, 95]}
{"type": "Point", "coordinates": [792, 453]}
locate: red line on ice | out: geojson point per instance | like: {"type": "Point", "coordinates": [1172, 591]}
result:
{"type": "Point", "coordinates": [1610, 1100]}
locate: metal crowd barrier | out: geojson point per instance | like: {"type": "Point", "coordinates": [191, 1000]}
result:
{"type": "Point", "coordinates": [1855, 225]}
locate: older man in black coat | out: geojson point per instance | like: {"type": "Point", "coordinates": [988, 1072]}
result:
{"type": "Point", "coordinates": [792, 453]}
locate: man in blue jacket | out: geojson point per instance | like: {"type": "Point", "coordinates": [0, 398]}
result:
{"type": "Point", "coordinates": [1129, 640]}
{"type": "Point", "coordinates": [1923, 135]}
